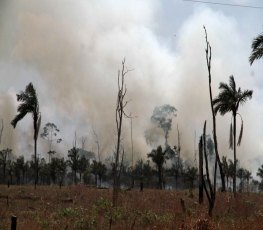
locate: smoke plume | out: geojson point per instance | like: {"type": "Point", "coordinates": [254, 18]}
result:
{"type": "Point", "coordinates": [72, 50]}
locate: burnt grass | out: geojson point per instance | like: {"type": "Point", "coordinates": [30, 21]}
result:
{"type": "Point", "coordinates": [82, 207]}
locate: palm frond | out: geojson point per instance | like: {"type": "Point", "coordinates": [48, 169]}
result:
{"type": "Point", "coordinates": [22, 96]}
{"type": "Point", "coordinates": [17, 118]}
{"type": "Point", "coordinates": [257, 42]}
{"type": "Point", "coordinates": [257, 49]}
{"type": "Point", "coordinates": [245, 95]}
{"type": "Point", "coordinates": [241, 133]}
{"type": "Point", "coordinates": [24, 108]}
{"type": "Point", "coordinates": [232, 83]}
{"type": "Point", "coordinates": [256, 54]}
{"type": "Point", "coordinates": [30, 90]}
{"type": "Point", "coordinates": [222, 108]}
{"type": "Point", "coordinates": [224, 87]}
{"type": "Point", "coordinates": [29, 103]}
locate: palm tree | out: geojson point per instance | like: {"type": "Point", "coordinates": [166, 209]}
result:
{"type": "Point", "coordinates": [29, 104]}
{"type": "Point", "coordinates": [229, 100]}
{"type": "Point", "coordinates": [257, 49]}
{"type": "Point", "coordinates": [159, 157]}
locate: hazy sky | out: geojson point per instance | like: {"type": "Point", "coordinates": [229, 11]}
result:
{"type": "Point", "coordinates": [72, 49]}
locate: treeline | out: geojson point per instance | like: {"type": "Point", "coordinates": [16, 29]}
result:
{"type": "Point", "coordinates": [162, 169]}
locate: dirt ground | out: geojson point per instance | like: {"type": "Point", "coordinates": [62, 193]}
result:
{"type": "Point", "coordinates": [82, 207]}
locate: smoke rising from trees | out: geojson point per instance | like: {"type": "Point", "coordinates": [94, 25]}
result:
{"type": "Point", "coordinates": [72, 51]}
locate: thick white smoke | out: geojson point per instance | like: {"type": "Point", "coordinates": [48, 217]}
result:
{"type": "Point", "coordinates": [72, 50]}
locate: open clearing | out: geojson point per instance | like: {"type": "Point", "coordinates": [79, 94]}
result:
{"type": "Point", "coordinates": [82, 207]}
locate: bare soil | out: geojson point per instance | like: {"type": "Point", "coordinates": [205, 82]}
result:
{"type": "Point", "coordinates": [82, 207]}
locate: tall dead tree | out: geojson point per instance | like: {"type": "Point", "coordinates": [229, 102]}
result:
{"type": "Point", "coordinates": [1, 131]}
{"type": "Point", "coordinates": [208, 63]}
{"type": "Point", "coordinates": [201, 180]}
{"type": "Point", "coordinates": [178, 165]}
{"type": "Point", "coordinates": [132, 167]}
{"type": "Point", "coordinates": [97, 142]}
{"type": "Point", "coordinates": [209, 189]}
{"type": "Point", "coordinates": [119, 113]}
{"type": "Point", "coordinates": [83, 141]}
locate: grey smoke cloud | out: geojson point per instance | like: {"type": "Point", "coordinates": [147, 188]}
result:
{"type": "Point", "coordinates": [72, 50]}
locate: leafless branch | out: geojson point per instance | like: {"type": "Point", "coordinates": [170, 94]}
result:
{"type": "Point", "coordinates": [208, 62]}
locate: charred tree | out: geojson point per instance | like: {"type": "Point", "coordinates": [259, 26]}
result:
{"type": "Point", "coordinates": [209, 189]}
{"type": "Point", "coordinates": [1, 131]}
{"type": "Point", "coordinates": [119, 114]}
{"type": "Point", "coordinates": [208, 63]}
{"type": "Point", "coordinates": [201, 179]}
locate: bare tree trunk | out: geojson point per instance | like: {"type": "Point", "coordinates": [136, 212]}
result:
{"type": "Point", "coordinates": [4, 171]}
{"type": "Point", "coordinates": [215, 172]}
{"type": "Point", "coordinates": [208, 62]}
{"type": "Point", "coordinates": [210, 209]}
{"type": "Point", "coordinates": [132, 172]}
{"type": "Point", "coordinates": [1, 131]}
{"type": "Point", "coordinates": [235, 158]}
{"type": "Point", "coordinates": [176, 180]}
{"type": "Point", "coordinates": [210, 192]}
{"type": "Point", "coordinates": [100, 179]}
{"type": "Point", "coordinates": [160, 177]}
{"type": "Point", "coordinates": [201, 186]}
{"type": "Point", "coordinates": [166, 138]}
{"type": "Point", "coordinates": [75, 177]}
{"type": "Point", "coordinates": [36, 163]}
{"type": "Point", "coordinates": [119, 112]}
{"type": "Point", "coordinates": [37, 122]}
{"type": "Point", "coordinates": [97, 142]}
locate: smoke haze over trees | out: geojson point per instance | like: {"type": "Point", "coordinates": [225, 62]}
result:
{"type": "Point", "coordinates": [71, 53]}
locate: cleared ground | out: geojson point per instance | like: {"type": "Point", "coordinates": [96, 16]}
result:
{"type": "Point", "coordinates": [81, 207]}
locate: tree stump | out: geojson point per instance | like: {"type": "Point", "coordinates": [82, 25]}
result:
{"type": "Point", "coordinates": [182, 204]}
{"type": "Point", "coordinates": [13, 222]}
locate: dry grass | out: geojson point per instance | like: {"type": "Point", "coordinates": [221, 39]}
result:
{"type": "Point", "coordinates": [80, 207]}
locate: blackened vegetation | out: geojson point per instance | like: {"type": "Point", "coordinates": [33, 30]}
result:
{"type": "Point", "coordinates": [201, 179]}
{"type": "Point", "coordinates": [119, 114]}
{"type": "Point", "coordinates": [208, 63]}
{"type": "Point", "coordinates": [206, 182]}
